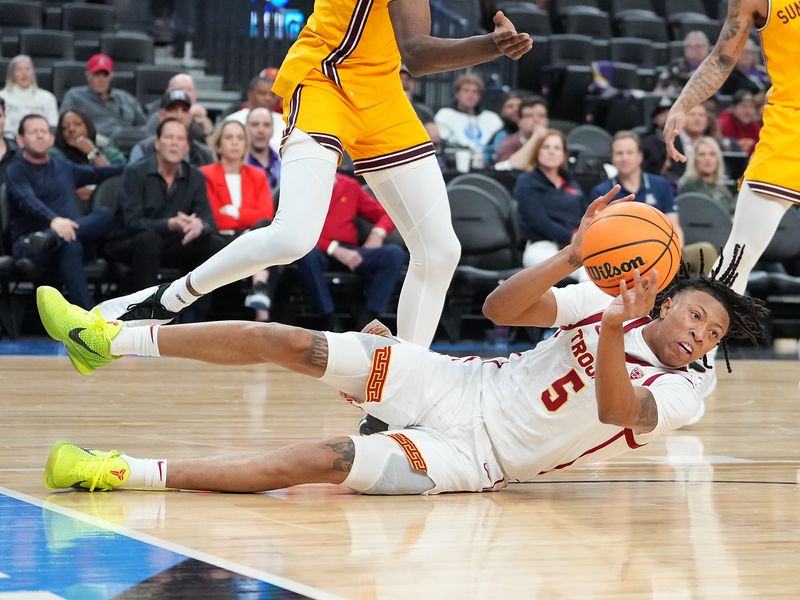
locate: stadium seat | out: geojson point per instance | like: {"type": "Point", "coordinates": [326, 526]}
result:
{"type": "Point", "coordinates": [498, 192]}
{"type": "Point", "coordinates": [596, 140]}
{"type": "Point", "coordinates": [124, 80]}
{"type": "Point", "coordinates": [151, 82]}
{"type": "Point", "coordinates": [620, 8]}
{"type": "Point", "coordinates": [127, 137]}
{"type": "Point", "coordinates": [16, 16]}
{"type": "Point", "coordinates": [88, 21]}
{"type": "Point", "coordinates": [4, 69]}
{"type": "Point", "coordinates": [683, 24]}
{"type": "Point", "coordinates": [488, 254]}
{"type": "Point", "coordinates": [46, 47]}
{"type": "Point", "coordinates": [702, 220]}
{"type": "Point", "coordinates": [588, 21]}
{"type": "Point", "coordinates": [128, 50]}
{"type": "Point", "coordinates": [530, 19]}
{"type": "Point", "coordinates": [640, 26]}
{"type": "Point", "coordinates": [635, 51]}
{"type": "Point", "coordinates": [67, 74]}
{"type": "Point", "coordinates": [44, 77]}
{"type": "Point", "coordinates": [673, 8]}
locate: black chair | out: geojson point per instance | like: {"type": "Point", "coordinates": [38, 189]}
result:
{"type": "Point", "coordinates": [15, 15]}
{"type": "Point", "coordinates": [127, 137]}
{"type": "Point", "coordinates": [87, 21]}
{"type": "Point", "coordinates": [587, 21]}
{"type": "Point", "coordinates": [488, 254]}
{"type": "Point", "coordinates": [735, 164]}
{"type": "Point", "coordinates": [128, 50]}
{"type": "Point", "coordinates": [124, 80]}
{"type": "Point", "coordinates": [621, 8]}
{"type": "Point", "coordinates": [702, 220]}
{"type": "Point", "coordinates": [683, 24]}
{"type": "Point", "coordinates": [151, 82]}
{"type": "Point", "coordinates": [44, 78]}
{"type": "Point", "coordinates": [8, 313]}
{"type": "Point", "coordinates": [653, 28]}
{"type": "Point", "coordinates": [530, 19]}
{"type": "Point", "coordinates": [673, 8]}
{"type": "Point", "coordinates": [46, 47]}
{"type": "Point", "coordinates": [67, 74]}
{"type": "Point", "coordinates": [635, 51]}
{"type": "Point", "coordinates": [595, 140]}
{"type": "Point", "coordinates": [570, 49]}
{"type": "Point", "coordinates": [494, 188]}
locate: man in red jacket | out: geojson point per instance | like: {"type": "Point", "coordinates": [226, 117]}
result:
{"type": "Point", "coordinates": [380, 266]}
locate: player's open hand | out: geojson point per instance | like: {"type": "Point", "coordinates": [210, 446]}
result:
{"type": "Point", "coordinates": [634, 301]}
{"type": "Point", "coordinates": [597, 206]}
{"type": "Point", "coordinates": [506, 38]}
{"type": "Point", "coordinates": [676, 120]}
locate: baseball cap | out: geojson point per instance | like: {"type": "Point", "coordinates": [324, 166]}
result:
{"type": "Point", "coordinates": [100, 62]}
{"type": "Point", "coordinates": [175, 97]}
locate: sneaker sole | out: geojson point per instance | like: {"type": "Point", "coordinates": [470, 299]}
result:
{"type": "Point", "coordinates": [46, 298]}
{"type": "Point", "coordinates": [51, 460]}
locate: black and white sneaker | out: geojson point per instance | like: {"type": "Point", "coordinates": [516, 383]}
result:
{"type": "Point", "coordinates": [369, 425]}
{"type": "Point", "coordinates": [138, 309]}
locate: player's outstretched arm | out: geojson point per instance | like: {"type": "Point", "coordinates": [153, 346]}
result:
{"type": "Point", "coordinates": [424, 54]}
{"type": "Point", "coordinates": [525, 299]}
{"type": "Point", "coordinates": [713, 71]}
{"type": "Point", "coordinates": [618, 401]}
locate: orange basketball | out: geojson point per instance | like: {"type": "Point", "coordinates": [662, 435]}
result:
{"type": "Point", "coordinates": [626, 236]}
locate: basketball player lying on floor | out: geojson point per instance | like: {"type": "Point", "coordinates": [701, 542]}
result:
{"type": "Point", "coordinates": [613, 378]}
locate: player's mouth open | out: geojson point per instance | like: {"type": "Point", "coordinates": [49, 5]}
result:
{"type": "Point", "coordinates": [685, 348]}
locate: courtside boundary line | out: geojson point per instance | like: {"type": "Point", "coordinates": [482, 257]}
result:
{"type": "Point", "coordinates": [271, 578]}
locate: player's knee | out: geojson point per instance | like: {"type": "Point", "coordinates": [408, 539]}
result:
{"type": "Point", "coordinates": [440, 256]}
{"type": "Point", "coordinates": [379, 467]}
{"type": "Point", "coordinates": [285, 242]}
{"type": "Point", "coordinates": [263, 338]}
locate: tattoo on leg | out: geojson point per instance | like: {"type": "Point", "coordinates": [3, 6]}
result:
{"type": "Point", "coordinates": [345, 453]}
{"type": "Point", "coordinates": [317, 355]}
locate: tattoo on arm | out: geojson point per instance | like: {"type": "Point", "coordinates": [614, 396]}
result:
{"type": "Point", "coordinates": [317, 354]}
{"type": "Point", "coordinates": [574, 261]}
{"type": "Point", "coordinates": [345, 452]}
{"type": "Point", "coordinates": [648, 413]}
{"type": "Point", "coordinates": [716, 68]}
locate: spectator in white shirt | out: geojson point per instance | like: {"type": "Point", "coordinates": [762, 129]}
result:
{"type": "Point", "coordinates": [23, 96]}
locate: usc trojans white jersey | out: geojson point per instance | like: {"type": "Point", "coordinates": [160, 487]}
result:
{"type": "Point", "coordinates": [540, 407]}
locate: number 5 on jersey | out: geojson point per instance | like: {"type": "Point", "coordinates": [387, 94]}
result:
{"type": "Point", "coordinates": [557, 394]}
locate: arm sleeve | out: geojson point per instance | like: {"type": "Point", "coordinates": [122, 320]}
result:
{"type": "Point", "coordinates": [578, 301]}
{"type": "Point", "coordinates": [87, 174]}
{"type": "Point", "coordinates": [21, 192]}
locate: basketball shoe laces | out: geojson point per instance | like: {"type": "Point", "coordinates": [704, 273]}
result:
{"type": "Point", "coordinates": [84, 469]}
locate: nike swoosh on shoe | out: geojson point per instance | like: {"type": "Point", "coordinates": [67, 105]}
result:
{"type": "Point", "coordinates": [75, 336]}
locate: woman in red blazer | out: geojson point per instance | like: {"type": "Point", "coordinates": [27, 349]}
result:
{"type": "Point", "coordinates": [240, 199]}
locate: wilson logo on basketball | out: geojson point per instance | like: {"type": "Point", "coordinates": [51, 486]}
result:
{"type": "Point", "coordinates": [608, 271]}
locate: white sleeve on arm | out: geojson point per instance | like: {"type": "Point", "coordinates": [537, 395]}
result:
{"type": "Point", "coordinates": [577, 301]}
{"type": "Point", "coordinates": [677, 402]}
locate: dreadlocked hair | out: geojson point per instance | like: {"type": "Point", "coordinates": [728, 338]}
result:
{"type": "Point", "coordinates": [746, 314]}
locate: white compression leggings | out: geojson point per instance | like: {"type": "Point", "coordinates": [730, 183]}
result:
{"type": "Point", "coordinates": [754, 224]}
{"type": "Point", "coordinates": [415, 197]}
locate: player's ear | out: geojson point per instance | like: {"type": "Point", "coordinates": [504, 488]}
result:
{"type": "Point", "coordinates": [666, 306]}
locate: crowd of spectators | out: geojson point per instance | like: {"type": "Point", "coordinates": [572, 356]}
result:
{"type": "Point", "coordinates": [195, 181]}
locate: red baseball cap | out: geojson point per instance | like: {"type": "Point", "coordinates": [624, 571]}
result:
{"type": "Point", "coordinates": [100, 62]}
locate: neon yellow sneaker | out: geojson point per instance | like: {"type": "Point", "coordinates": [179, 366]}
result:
{"type": "Point", "coordinates": [71, 466]}
{"type": "Point", "coordinates": [86, 335]}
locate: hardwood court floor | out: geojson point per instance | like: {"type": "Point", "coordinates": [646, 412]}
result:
{"type": "Point", "coordinates": [712, 512]}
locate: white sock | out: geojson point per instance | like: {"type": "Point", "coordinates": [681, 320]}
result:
{"type": "Point", "coordinates": [415, 197]}
{"type": "Point", "coordinates": [140, 341]}
{"type": "Point", "coordinates": [308, 172]}
{"type": "Point", "coordinates": [146, 473]}
{"type": "Point", "coordinates": [178, 296]}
